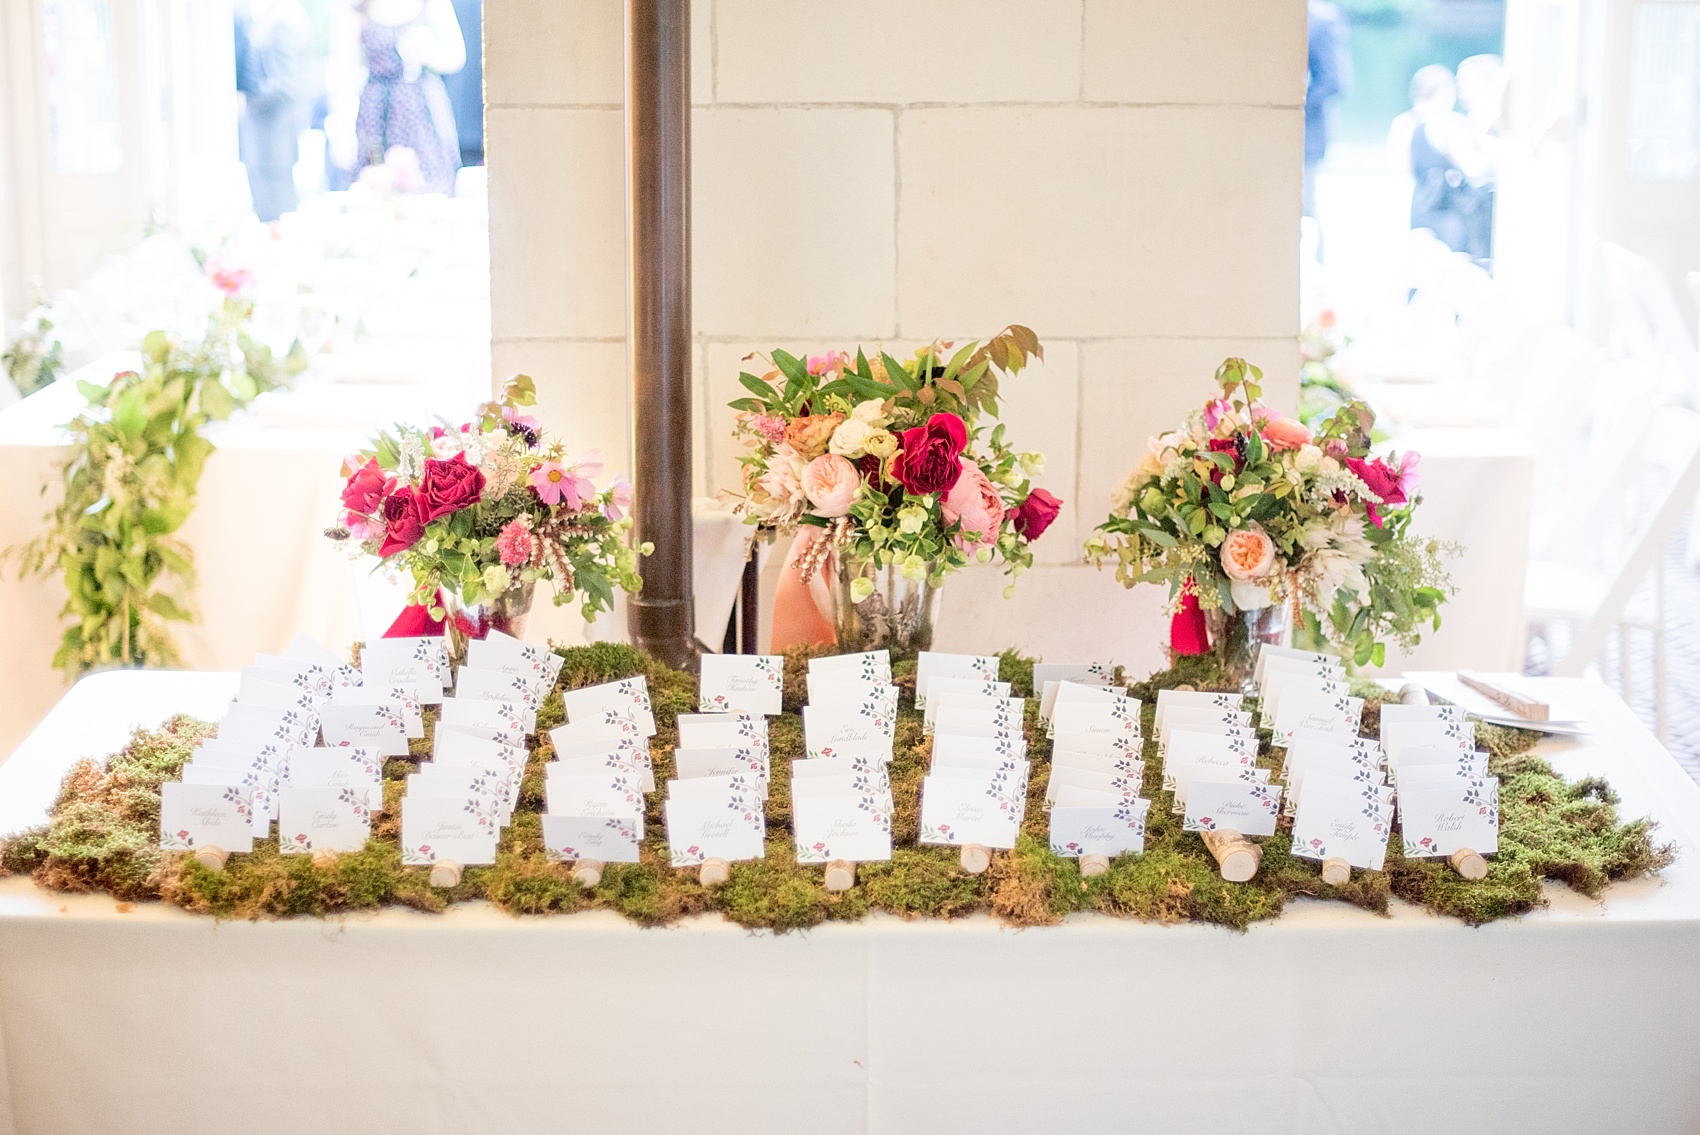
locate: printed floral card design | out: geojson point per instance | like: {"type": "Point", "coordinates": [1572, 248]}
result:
{"type": "Point", "coordinates": [402, 700]}
{"type": "Point", "coordinates": [279, 691]}
{"type": "Point", "coordinates": [257, 785]}
{"type": "Point", "coordinates": [1333, 819]}
{"type": "Point", "coordinates": [404, 662]}
{"type": "Point", "coordinates": [311, 676]}
{"type": "Point", "coordinates": [833, 687]}
{"type": "Point", "coordinates": [714, 827]}
{"type": "Point", "coordinates": [869, 665]}
{"type": "Point", "coordinates": [607, 795]}
{"type": "Point", "coordinates": [692, 763]}
{"type": "Point", "coordinates": [1436, 820]}
{"type": "Point", "coordinates": [1328, 712]}
{"type": "Point", "coordinates": [485, 792]}
{"type": "Point", "coordinates": [1115, 718]}
{"type": "Point", "coordinates": [205, 815]}
{"type": "Point", "coordinates": [323, 819]}
{"type": "Point", "coordinates": [745, 683]}
{"type": "Point", "coordinates": [1193, 699]}
{"type": "Point", "coordinates": [380, 727]}
{"type": "Point", "coordinates": [496, 686]}
{"type": "Point", "coordinates": [931, 664]}
{"type": "Point", "coordinates": [445, 827]}
{"type": "Point", "coordinates": [1116, 830]}
{"type": "Point", "coordinates": [1201, 719]}
{"type": "Point", "coordinates": [834, 727]}
{"type": "Point", "coordinates": [723, 731]}
{"type": "Point", "coordinates": [853, 827]}
{"type": "Point", "coordinates": [629, 695]}
{"type": "Point", "coordinates": [1398, 737]}
{"type": "Point", "coordinates": [477, 713]}
{"type": "Point", "coordinates": [609, 840]}
{"type": "Point", "coordinates": [964, 810]}
{"type": "Point", "coordinates": [337, 768]}
{"type": "Point", "coordinates": [1250, 809]}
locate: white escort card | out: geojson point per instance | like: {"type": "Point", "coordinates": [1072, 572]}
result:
{"type": "Point", "coordinates": [629, 696]}
{"type": "Point", "coordinates": [980, 717]}
{"type": "Point", "coordinates": [499, 686]}
{"type": "Point", "coordinates": [723, 731]}
{"type": "Point", "coordinates": [947, 746]}
{"type": "Point", "coordinates": [974, 808]}
{"type": "Point", "coordinates": [869, 665]}
{"type": "Point", "coordinates": [742, 683]}
{"type": "Point", "coordinates": [609, 840]}
{"type": "Point", "coordinates": [1193, 699]}
{"type": "Point", "coordinates": [930, 665]}
{"type": "Point", "coordinates": [1118, 829]}
{"type": "Point", "coordinates": [323, 819]}
{"type": "Point", "coordinates": [1267, 653]}
{"type": "Point", "coordinates": [450, 828]}
{"type": "Point", "coordinates": [836, 729]}
{"type": "Point", "coordinates": [339, 768]}
{"type": "Point", "coordinates": [420, 664]}
{"type": "Point", "coordinates": [1127, 783]}
{"type": "Point", "coordinates": [380, 727]}
{"type": "Point", "coordinates": [690, 764]}
{"type": "Point", "coordinates": [1438, 819]}
{"type": "Point", "coordinates": [1333, 820]}
{"type": "Point", "coordinates": [844, 688]}
{"type": "Point", "coordinates": [264, 723]}
{"type": "Point", "coordinates": [609, 794]}
{"type": "Point", "coordinates": [259, 787]}
{"type": "Point", "coordinates": [194, 816]}
{"type": "Point", "coordinates": [269, 688]}
{"type": "Point", "coordinates": [306, 650]}
{"type": "Point", "coordinates": [477, 713]}
{"type": "Point", "coordinates": [538, 665]}
{"type": "Point", "coordinates": [401, 699]}
{"type": "Point", "coordinates": [1329, 713]}
{"type": "Point", "coordinates": [840, 825]}
{"type": "Point", "coordinates": [1047, 677]}
{"type": "Point", "coordinates": [725, 825]}
{"type": "Point", "coordinates": [1117, 717]}
{"type": "Point", "coordinates": [1232, 805]}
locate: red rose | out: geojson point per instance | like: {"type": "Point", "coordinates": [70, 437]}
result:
{"type": "Point", "coordinates": [1036, 514]}
{"type": "Point", "coordinates": [367, 489]}
{"type": "Point", "coordinates": [1382, 480]}
{"type": "Point", "coordinates": [404, 521]}
{"type": "Point", "coordinates": [449, 486]}
{"type": "Point", "coordinates": [928, 463]}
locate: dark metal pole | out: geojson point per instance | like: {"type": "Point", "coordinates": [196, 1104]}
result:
{"type": "Point", "coordinates": [658, 227]}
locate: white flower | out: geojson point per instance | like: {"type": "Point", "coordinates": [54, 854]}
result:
{"type": "Point", "coordinates": [1328, 467]}
{"type": "Point", "coordinates": [1338, 553]}
{"type": "Point", "coordinates": [445, 447]}
{"type": "Point", "coordinates": [1249, 596]}
{"type": "Point", "coordinates": [850, 439]}
{"type": "Point", "coordinates": [1307, 459]}
{"type": "Point", "coordinates": [871, 412]}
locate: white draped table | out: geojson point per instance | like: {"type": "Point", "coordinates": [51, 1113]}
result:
{"type": "Point", "coordinates": [1583, 1017]}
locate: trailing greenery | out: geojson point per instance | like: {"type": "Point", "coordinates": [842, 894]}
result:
{"type": "Point", "coordinates": [135, 461]}
{"type": "Point", "coordinates": [35, 355]}
{"type": "Point", "coordinates": [103, 837]}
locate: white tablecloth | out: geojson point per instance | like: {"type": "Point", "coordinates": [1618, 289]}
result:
{"type": "Point", "coordinates": [1584, 1017]}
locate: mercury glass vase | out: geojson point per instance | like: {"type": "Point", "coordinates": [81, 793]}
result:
{"type": "Point", "coordinates": [466, 621]}
{"type": "Point", "coordinates": [899, 614]}
{"type": "Point", "coordinates": [1235, 638]}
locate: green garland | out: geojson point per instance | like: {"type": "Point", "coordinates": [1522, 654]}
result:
{"type": "Point", "coordinates": [136, 456]}
{"type": "Point", "coordinates": [104, 837]}
{"type": "Point", "coordinates": [33, 360]}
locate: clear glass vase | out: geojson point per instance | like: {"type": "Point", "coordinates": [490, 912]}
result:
{"type": "Point", "coordinates": [1234, 639]}
{"type": "Point", "coordinates": [899, 615]}
{"type": "Point", "coordinates": [506, 613]}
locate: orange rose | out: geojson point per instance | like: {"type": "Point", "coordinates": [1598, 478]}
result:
{"type": "Point", "coordinates": [1247, 554]}
{"type": "Point", "coordinates": [810, 434]}
{"type": "Point", "coordinates": [1284, 433]}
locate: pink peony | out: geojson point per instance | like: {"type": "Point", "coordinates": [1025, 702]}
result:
{"type": "Point", "coordinates": [1247, 554]}
{"type": "Point", "coordinates": [831, 483]}
{"type": "Point", "coordinates": [1284, 433]}
{"type": "Point", "coordinates": [514, 544]}
{"type": "Point", "coordinates": [974, 503]}
{"type": "Point", "coordinates": [619, 498]}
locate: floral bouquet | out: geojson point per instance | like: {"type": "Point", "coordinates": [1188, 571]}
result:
{"type": "Point", "coordinates": [1247, 514]}
{"type": "Point", "coordinates": [477, 514]}
{"type": "Point", "coordinates": [886, 475]}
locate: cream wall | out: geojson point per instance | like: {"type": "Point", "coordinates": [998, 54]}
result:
{"type": "Point", "coordinates": [1120, 175]}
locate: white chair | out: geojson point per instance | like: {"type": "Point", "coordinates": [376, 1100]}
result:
{"type": "Point", "coordinates": [1654, 492]}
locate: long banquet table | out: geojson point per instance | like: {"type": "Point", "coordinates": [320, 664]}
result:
{"type": "Point", "coordinates": [1583, 1017]}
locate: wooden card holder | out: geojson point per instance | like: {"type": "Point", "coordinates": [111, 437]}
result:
{"type": "Point", "coordinates": [1091, 865]}
{"type": "Point", "coordinates": [840, 875]}
{"type": "Point", "coordinates": [212, 858]}
{"type": "Point", "coordinates": [587, 873]}
{"type": "Point", "coordinates": [445, 873]}
{"type": "Point", "coordinates": [1468, 863]}
{"type": "Point", "coordinates": [714, 871]}
{"type": "Point", "coordinates": [1412, 694]}
{"type": "Point", "coordinates": [1236, 856]}
{"type": "Point", "coordinates": [976, 858]}
{"type": "Point", "coordinates": [1336, 871]}
{"type": "Point", "coordinates": [1524, 706]}
{"type": "Point", "coordinates": [324, 859]}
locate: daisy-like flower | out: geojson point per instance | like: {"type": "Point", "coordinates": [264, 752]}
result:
{"type": "Point", "coordinates": [619, 498]}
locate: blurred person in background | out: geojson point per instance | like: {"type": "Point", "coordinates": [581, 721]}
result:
{"type": "Point", "coordinates": [1437, 146]}
{"type": "Point", "coordinates": [385, 73]}
{"type": "Point", "coordinates": [1328, 77]}
{"type": "Point", "coordinates": [274, 73]}
{"type": "Point", "coordinates": [1482, 81]}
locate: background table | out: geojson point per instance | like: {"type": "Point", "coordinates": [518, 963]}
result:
{"type": "Point", "coordinates": [1584, 1017]}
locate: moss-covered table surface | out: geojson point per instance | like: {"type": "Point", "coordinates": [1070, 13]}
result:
{"type": "Point", "coordinates": [1579, 1016]}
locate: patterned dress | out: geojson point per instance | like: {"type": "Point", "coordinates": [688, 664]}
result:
{"type": "Point", "coordinates": [398, 110]}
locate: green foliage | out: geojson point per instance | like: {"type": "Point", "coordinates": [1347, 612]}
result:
{"type": "Point", "coordinates": [33, 359]}
{"type": "Point", "coordinates": [135, 462]}
{"type": "Point", "coordinates": [103, 837]}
